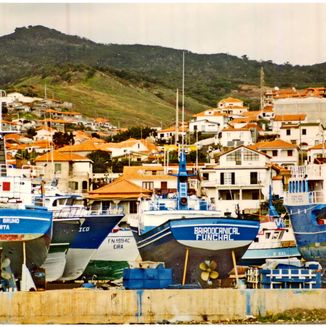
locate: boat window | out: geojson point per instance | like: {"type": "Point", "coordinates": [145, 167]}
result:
{"type": "Point", "coordinates": [256, 239]}
{"type": "Point", "coordinates": [281, 235]}
{"type": "Point", "coordinates": [268, 235]}
{"type": "Point", "coordinates": [61, 201]}
{"type": "Point", "coordinates": [275, 235]}
{"type": "Point", "coordinates": [70, 201]}
{"type": "Point", "coordinates": [55, 203]}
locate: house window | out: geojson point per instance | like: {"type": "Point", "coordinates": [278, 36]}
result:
{"type": "Point", "coordinates": [57, 168]}
{"type": "Point", "coordinates": [253, 177]}
{"type": "Point", "coordinates": [304, 132]}
{"type": "Point", "coordinates": [250, 156]}
{"type": "Point", "coordinates": [84, 186]}
{"type": "Point", "coordinates": [229, 178]}
{"type": "Point", "coordinates": [234, 156]}
{"type": "Point", "coordinates": [148, 185]}
{"type": "Point", "coordinates": [73, 186]}
{"type": "Point", "coordinates": [205, 176]}
{"type": "Point", "coordinates": [132, 207]}
{"type": "Point", "coordinates": [274, 153]}
{"type": "Point", "coordinates": [164, 186]}
{"type": "Point", "coordinates": [290, 153]}
{"type": "Point", "coordinates": [288, 132]}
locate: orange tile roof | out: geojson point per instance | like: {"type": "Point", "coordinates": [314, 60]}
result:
{"type": "Point", "coordinates": [13, 136]}
{"type": "Point", "coordinates": [101, 120]}
{"type": "Point", "coordinates": [140, 172]}
{"type": "Point", "coordinates": [214, 112]}
{"type": "Point", "coordinates": [58, 156]}
{"type": "Point", "coordinates": [93, 144]}
{"type": "Point", "coordinates": [229, 99]}
{"type": "Point", "coordinates": [318, 147]}
{"type": "Point", "coordinates": [46, 128]}
{"type": "Point", "coordinates": [290, 117]}
{"type": "Point", "coordinates": [120, 188]}
{"type": "Point", "coordinates": [276, 144]}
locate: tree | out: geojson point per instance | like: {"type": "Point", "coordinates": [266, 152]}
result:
{"type": "Point", "coordinates": [61, 139]}
{"type": "Point", "coordinates": [101, 161]}
{"type": "Point", "coordinates": [31, 132]}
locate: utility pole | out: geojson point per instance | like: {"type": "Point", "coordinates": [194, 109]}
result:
{"type": "Point", "coordinates": [262, 82]}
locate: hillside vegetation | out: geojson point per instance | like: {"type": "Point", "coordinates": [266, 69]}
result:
{"type": "Point", "coordinates": [152, 73]}
{"type": "Point", "coordinates": [104, 95]}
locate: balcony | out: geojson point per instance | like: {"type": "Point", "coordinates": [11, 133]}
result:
{"type": "Point", "coordinates": [305, 198]}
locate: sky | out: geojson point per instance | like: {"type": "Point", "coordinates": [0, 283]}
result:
{"type": "Point", "coordinates": [281, 32]}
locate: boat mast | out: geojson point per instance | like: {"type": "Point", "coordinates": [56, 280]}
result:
{"type": "Point", "coordinates": [183, 101]}
{"type": "Point", "coordinates": [177, 119]}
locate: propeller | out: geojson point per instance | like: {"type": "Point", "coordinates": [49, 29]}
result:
{"type": "Point", "coordinates": [209, 272]}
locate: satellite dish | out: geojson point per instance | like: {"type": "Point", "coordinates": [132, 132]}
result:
{"type": "Point", "coordinates": [6, 275]}
{"type": "Point", "coordinates": [5, 263]}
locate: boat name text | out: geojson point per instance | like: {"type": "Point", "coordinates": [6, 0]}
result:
{"type": "Point", "coordinates": [215, 233]}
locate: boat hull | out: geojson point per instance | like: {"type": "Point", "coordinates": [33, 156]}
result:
{"type": "Point", "coordinates": [310, 236]}
{"type": "Point", "coordinates": [25, 226]}
{"type": "Point", "coordinates": [200, 240]}
{"type": "Point", "coordinates": [64, 232]}
{"type": "Point", "coordinates": [259, 256]}
{"type": "Point", "coordinates": [115, 253]}
{"type": "Point", "coordinates": [91, 234]}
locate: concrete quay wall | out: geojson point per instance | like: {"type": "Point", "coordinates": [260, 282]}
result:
{"type": "Point", "coordinates": [79, 306]}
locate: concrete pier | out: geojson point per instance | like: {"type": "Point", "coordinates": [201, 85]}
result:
{"type": "Point", "coordinates": [88, 306]}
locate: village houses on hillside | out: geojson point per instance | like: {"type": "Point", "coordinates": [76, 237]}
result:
{"type": "Point", "coordinates": [246, 150]}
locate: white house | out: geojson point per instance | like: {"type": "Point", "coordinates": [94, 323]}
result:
{"type": "Point", "coordinates": [281, 152]}
{"type": "Point", "coordinates": [130, 146]}
{"type": "Point", "coordinates": [208, 121]}
{"type": "Point", "coordinates": [232, 137]}
{"type": "Point", "coordinates": [317, 151]}
{"type": "Point", "coordinates": [279, 120]}
{"type": "Point", "coordinates": [232, 106]}
{"type": "Point", "coordinates": [44, 133]}
{"type": "Point", "coordinates": [304, 135]}
{"type": "Point", "coordinates": [72, 171]}
{"type": "Point", "coordinates": [240, 180]}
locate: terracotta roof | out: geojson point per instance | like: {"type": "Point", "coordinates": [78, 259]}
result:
{"type": "Point", "coordinates": [101, 120]}
{"type": "Point", "coordinates": [210, 112]}
{"type": "Point", "coordinates": [318, 147]}
{"type": "Point", "coordinates": [120, 188]}
{"type": "Point", "coordinates": [290, 117]}
{"type": "Point", "coordinates": [58, 156]}
{"type": "Point", "coordinates": [276, 144]}
{"type": "Point", "coordinates": [93, 144]}
{"type": "Point", "coordinates": [229, 99]}
{"type": "Point", "coordinates": [144, 172]}
{"type": "Point", "coordinates": [46, 128]}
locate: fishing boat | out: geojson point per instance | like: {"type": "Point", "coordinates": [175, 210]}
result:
{"type": "Point", "coordinates": [275, 239]}
{"type": "Point", "coordinates": [305, 202]}
{"type": "Point", "coordinates": [190, 236]}
{"type": "Point", "coordinates": [117, 252]}
{"type": "Point", "coordinates": [187, 233]}
{"type": "Point", "coordinates": [66, 223]}
{"type": "Point", "coordinates": [96, 224]}
{"type": "Point", "coordinates": [25, 229]}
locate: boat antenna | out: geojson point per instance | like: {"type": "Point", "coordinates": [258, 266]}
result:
{"type": "Point", "coordinates": [177, 119]}
{"type": "Point", "coordinates": [183, 100]}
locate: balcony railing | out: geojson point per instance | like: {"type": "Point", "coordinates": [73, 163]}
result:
{"type": "Point", "coordinates": [304, 198]}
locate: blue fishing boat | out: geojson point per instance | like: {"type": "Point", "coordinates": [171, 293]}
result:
{"type": "Point", "coordinates": [305, 203]}
{"type": "Point", "coordinates": [25, 230]}
{"type": "Point", "coordinates": [95, 225]}
{"type": "Point", "coordinates": [190, 236]}
{"type": "Point", "coordinates": [275, 239]}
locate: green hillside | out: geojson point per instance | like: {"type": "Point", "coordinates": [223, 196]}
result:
{"type": "Point", "coordinates": [135, 81]}
{"type": "Point", "coordinates": [104, 95]}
